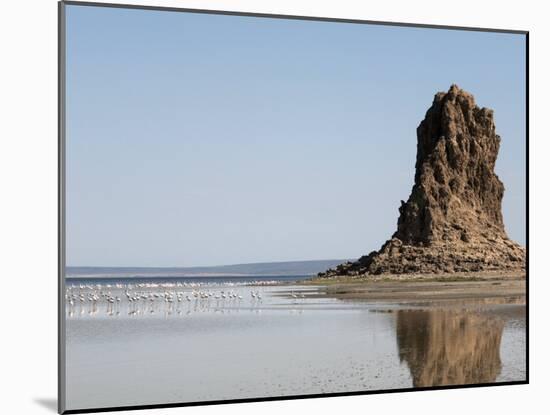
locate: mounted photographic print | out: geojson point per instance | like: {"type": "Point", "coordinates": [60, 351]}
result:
{"type": "Point", "coordinates": [259, 207]}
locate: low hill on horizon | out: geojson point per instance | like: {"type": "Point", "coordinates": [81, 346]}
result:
{"type": "Point", "coordinates": [289, 268]}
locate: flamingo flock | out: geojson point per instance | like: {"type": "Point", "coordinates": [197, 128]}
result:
{"type": "Point", "coordinates": [151, 298]}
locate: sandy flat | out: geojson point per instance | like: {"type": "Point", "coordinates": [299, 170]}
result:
{"type": "Point", "coordinates": [505, 287]}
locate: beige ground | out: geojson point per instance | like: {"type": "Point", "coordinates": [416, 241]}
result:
{"type": "Point", "coordinates": [485, 287]}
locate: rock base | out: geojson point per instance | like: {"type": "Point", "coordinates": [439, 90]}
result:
{"type": "Point", "coordinates": [395, 257]}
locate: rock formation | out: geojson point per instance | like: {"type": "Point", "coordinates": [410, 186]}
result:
{"type": "Point", "coordinates": [452, 221]}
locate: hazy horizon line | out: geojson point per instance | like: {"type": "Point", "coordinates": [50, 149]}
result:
{"type": "Point", "coordinates": [201, 266]}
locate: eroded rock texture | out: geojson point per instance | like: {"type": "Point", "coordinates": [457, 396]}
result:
{"type": "Point", "coordinates": [452, 221]}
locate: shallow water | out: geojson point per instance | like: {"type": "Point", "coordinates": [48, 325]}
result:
{"type": "Point", "coordinates": [154, 350]}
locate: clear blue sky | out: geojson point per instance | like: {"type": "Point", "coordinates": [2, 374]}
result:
{"type": "Point", "coordinates": [206, 139]}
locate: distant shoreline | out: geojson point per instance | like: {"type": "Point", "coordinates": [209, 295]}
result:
{"type": "Point", "coordinates": [260, 269]}
{"type": "Point", "coordinates": [182, 276]}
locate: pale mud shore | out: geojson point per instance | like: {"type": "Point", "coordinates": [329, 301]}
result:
{"type": "Point", "coordinates": [487, 287]}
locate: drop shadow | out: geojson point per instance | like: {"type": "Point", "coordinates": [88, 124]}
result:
{"type": "Point", "coordinates": [48, 403]}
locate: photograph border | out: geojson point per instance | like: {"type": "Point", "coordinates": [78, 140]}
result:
{"type": "Point", "coordinates": [61, 382]}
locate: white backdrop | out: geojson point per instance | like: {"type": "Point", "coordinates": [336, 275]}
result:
{"type": "Point", "coordinates": [28, 207]}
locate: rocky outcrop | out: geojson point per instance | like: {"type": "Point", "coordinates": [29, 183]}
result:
{"type": "Point", "coordinates": [452, 220]}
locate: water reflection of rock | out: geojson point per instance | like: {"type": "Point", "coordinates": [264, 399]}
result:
{"type": "Point", "coordinates": [449, 347]}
